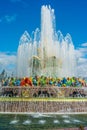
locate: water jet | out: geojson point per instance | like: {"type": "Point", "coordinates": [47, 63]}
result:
{"type": "Point", "coordinates": [49, 53]}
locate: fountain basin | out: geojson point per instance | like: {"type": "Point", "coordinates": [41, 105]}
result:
{"type": "Point", "coordinates": [59, 106]}
{"type": "Point", "coordinates": [47, 100]}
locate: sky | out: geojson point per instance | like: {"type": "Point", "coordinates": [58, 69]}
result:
{"type": "Point", "coordinates": [16, 16]}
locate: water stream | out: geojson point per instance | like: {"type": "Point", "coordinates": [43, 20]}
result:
{"type": "Point", "coordinates": [47, 52]}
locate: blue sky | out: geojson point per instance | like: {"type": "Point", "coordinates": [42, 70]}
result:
{"type": "Point", "coordinates": [16, 16]}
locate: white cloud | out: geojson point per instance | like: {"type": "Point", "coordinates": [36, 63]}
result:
{"type": "Point", "coordinates": [82, 70]}
{"type": "Point", "coordinates": [83, 50]}
{"type": "Point", "coordinates": [7, 62]}
{"type": "Point", "coordinates": [84, 44]}
{"type": "Point", "coordinates": [8, 18]}
{"type": "Point", "coordinates": [82, 60]}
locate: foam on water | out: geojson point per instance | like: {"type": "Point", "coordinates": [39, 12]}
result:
{"type": "Point", "coordinates": [27, 122]}
{"type": "Point", "coordinates": [66, 121]}
{"type": "Point", "coordinates": [14, 122]}
{"type": "Point", "coordinates": [42, 121]}
{"type": "Point", "coordinates": [76, 121]}
{"type": "Point", "coordinates": [39, 115]}
{"type": "Point", "coordinates": [56, 122]}
{"type": "Point", "coordinates": [65, 116]}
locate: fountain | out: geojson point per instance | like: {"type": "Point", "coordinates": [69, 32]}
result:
{"type": "Point", "coordinates": [48, 53]}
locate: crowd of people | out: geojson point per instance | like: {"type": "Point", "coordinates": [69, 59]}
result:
{"type": "Point", "coordinates": [44, 81]}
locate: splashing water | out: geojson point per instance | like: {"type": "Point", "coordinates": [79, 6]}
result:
{"type": "Point", "coordinates": [56, 122]}
{"type": "Point", "coordinates": [76, 121]}
{"type": "Point", "coordinates": [37, 115]}
{"type": "Point", "coordinates": [66, 121]}
{"type": "Point", "coordinates": [48, 52]}
{"type": "Point", "coordinates": [65, 116]}
{"type": "Point", "coordinates": [42, 121]}
{"type": "Point", "coordinates": [14, 122]}
{"type": "Point", "coordinates": [27, 122]}
{"type": "Point", "coordinates": [40, 115]}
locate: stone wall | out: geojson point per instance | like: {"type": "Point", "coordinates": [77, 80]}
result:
{"type": "Point", "coordinates": [42, 91]}
{"type": "Point", "coordinates": [43, 106]}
